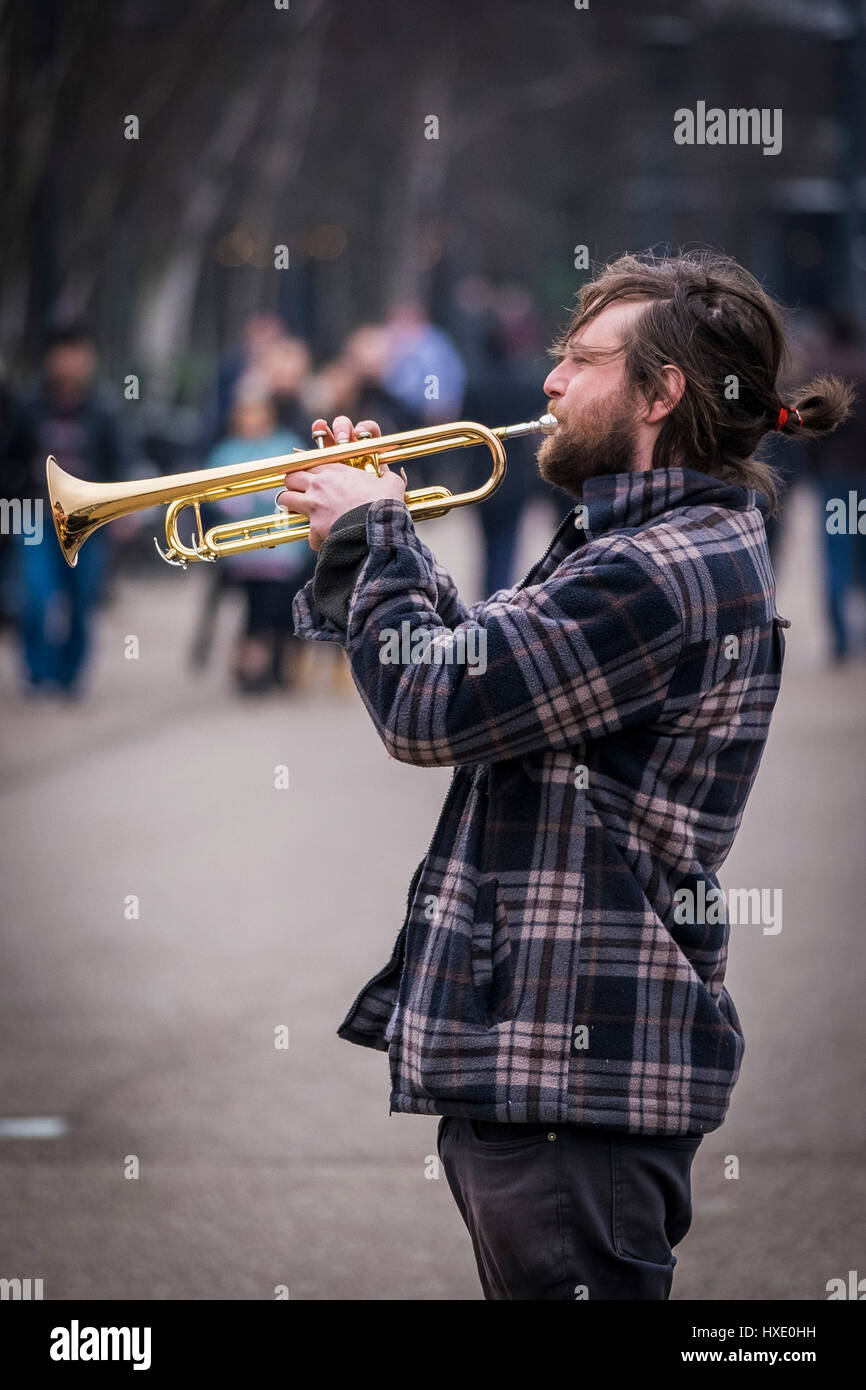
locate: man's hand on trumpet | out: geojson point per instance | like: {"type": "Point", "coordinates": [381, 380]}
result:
{"type": "Point", "coordinates": [324, 492]}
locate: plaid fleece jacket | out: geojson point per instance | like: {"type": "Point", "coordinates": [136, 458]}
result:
{"type": "Point", "coordinates": [602, 761]}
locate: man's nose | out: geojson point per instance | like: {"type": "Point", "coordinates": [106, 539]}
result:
{"type": "Point", "coordinates": [554, 385]}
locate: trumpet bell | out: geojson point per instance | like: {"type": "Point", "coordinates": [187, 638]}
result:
{"type": "Point", "coordinates": [72, 508]}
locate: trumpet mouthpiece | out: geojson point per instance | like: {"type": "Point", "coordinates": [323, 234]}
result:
{"type": "Point", "coordinates": [544, 424]}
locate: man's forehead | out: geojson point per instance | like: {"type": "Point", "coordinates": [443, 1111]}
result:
{"type": "Point", "coordinates": [606, 328]}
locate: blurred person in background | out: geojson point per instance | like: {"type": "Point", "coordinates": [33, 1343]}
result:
{"type": "Point", "coordinates": [499, 393]}
{"type": "Point", "coordinates": [11, 489]}
{"type": "Point", "coordinates": [260, 335]}
{"type": "Point", "coordinates": [422, 368]}
{"type": "Point", "coordinates": [286, 365]}
{"type": "Point", "coordinates": [838, 465]}
{"type": "Point", "coordinates": [69, 413]}
{"type": "Point", "coordinates": [419, 370]}
{"type": "Point", "coordinates": [353, 383]}
{"type": "Point", "coordinates": [265, 654]}
{"type": "Point", "coordinates": [280, 366]}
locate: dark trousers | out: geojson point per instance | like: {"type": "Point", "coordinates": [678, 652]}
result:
{"type": "Point", "coordinates": [568, 1212]}
{"type": "Point", "coordinates": [844, 568]}
{"type": "Point", "coordinates": [57, 608]}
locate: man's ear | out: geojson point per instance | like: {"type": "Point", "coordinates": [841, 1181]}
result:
{"type": "Point", "coordinates": [674, 384]}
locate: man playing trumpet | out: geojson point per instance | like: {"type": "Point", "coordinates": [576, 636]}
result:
{"type": "Point", "coordinates": [544, 995]}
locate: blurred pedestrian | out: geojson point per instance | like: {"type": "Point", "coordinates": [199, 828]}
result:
{"type": "Point", "coordinates": [68, 413]}
{"type": "Point", "coordinates": [500, 394]}
{"type": "Point", "coordinates": [838, 464]}
{"type": "Point", "coordinates": [354, 382]}
{"type": "Point", "coordinates": [260, 334]}
{"type": "Point", "coordinates": [7, 608]}
{"type": "Point", "coordinates": [423, 369]}
{"type": "Point", "coordinates": [266, 650]}
{"type": "Point", "coordinates": [285, 367]}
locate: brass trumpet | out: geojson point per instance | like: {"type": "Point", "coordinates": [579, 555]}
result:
{"type": "Point", "coordinates": [79, 508]}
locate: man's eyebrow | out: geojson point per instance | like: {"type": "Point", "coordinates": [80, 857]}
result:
{"type": "Point", "coordinates": [579, 349]}
{"type": "Point", "coordinates": [568, 344]}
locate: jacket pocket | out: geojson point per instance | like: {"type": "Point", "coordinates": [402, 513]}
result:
{"type": "Point", "coordinates": [491, 954]}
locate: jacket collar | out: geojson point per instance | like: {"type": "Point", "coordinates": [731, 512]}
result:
{"type": "Point", "coordinates": [627, 501]}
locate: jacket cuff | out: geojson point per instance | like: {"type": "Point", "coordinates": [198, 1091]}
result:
{"type": "Point", "coordinates": [322, 608]}
{"type": "Point", "coordinates": [390, 533]}
{"type": "Point", "coordinates": [339, 563]}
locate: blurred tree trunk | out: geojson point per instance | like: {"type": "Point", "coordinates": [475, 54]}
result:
{"type": "Point", "coordinates": [413, 225]}
{"type": "Point", "coordinates": [38, 51]}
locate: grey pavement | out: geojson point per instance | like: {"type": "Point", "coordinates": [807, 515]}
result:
{"type": "Point", "coordinates": [261, 908]}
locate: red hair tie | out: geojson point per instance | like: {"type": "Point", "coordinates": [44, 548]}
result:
{"type": "Point", "coordinates": [784, 412]}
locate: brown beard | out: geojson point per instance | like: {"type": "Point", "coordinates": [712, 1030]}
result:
{"type": "Point", "coordinates": [601, 440]}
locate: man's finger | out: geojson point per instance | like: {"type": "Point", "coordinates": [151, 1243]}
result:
{"type": "Point", "coordinates": [292, 502]}
{"type": "Point", "coordinates": [298, 481]}
{"type": "Point", "coordinates": [342, 429]}
{"type": "Point", "coordinates": [321, 427]}
{"type": "Point", "coordinates": [368, 427]}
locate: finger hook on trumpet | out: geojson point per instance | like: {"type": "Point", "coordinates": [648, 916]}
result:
{"type": "Point", "coordinates": [166, 555]}
{"type": "Point", "coordinates": [194, 545]}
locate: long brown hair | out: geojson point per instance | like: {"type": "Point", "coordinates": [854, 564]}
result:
{"type": "Point", "coordinates": [708, 316]}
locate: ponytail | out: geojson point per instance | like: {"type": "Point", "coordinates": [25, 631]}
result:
{"type": "Point", "coordinates": [822, 406]}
